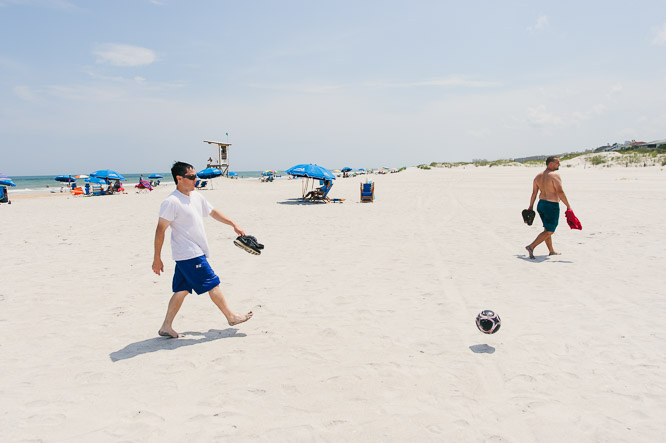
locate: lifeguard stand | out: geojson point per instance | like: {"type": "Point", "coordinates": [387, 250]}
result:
{"type": "Point", "coordinates": [220, 159]}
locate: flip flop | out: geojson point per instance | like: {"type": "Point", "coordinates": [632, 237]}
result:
{"type": "Point", "coordinates": [528, 216]}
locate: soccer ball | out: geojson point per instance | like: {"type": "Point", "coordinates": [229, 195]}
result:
{"type": "Point", "coordinates": [488, 322]}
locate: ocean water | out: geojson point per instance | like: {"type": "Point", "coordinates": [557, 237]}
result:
{"type": "Point", "coordinates": [46, 183]}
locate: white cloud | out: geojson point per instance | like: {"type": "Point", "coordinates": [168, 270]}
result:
{"type": "Point", "coordinates": [124, 55]}
{"type": "Point", "coordinates": [451, 81]}
{"type": "Point", "coordinates": [26, 93]}
{"type": "Point", "coordinates": [660, 35]}
{"type": "Point", "coordinates": [540, 116]}
{"type": "Point", "coordinates": [541, 24]}
{"type": "Point", "coordinates": [305, 88]}
{"type": "Point", "coordinates": [596, 110]}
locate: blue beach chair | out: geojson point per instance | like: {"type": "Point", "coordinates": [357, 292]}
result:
{"type": "Point", "coordinates": [368, 192]}
{"type": "Point", "coordinates": [320, 194]}
{"type": "Point", "coordinates": [4, 197]}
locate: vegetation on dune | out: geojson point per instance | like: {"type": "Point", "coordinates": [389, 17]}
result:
{"type": "Point", "coordinates": [628, 157]}
{"type": "Point", "coordinates": [598, 159]}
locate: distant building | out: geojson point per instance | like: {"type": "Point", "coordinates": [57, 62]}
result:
{"type": "Point", "coordinates": [655, 144]}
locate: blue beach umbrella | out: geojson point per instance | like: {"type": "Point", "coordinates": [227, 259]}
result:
{"type": "Point", "coordinates": [6, 181]}
{"type": "Point", "coordinates": [155, 176]}
{"type": "Point", "coordinates": [209, 173]}
{"type": "Point", "coordinates": [346, 169]}
{"type": "Point", "coordinates": [95, 180]}
{"type": "Point", "coordinates": [65, 178]}
{"type": "Point", "coordinates": [107, 174]}
{"type": "Point", "coordinates": [233, 174]}
{"type": "Point", "coordinates": [311, 171]}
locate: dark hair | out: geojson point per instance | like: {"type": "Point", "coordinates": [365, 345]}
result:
{"type": "Point", "coordinates": [180, 168]}
{"type": "Point", "coordinates": [550, 159]}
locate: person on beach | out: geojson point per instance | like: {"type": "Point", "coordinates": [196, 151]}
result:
{"type": "Point", "coordinates": [549, 185]}
{"type": "Point", "coordinates": [184, 210]}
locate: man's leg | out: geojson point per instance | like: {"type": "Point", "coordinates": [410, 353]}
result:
{"type": "Point", "coordinates": [544, 236]}
{"type": "Point", "coordinates": [549, 243]}
{"type": "Point", "coordinates": [220, 302]}
{"type": "Point", "coordinates": [174, 306]}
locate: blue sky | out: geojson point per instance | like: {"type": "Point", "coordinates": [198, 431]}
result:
{"type": "Point", "coordinates": [133, 85]}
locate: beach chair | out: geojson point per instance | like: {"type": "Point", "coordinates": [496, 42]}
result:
{"type": "Point", "coordinates": [4, 197]}
{"type": "Point", "coordinates": [368, 192]}
{"type": "Point", "coordinates": [201, 184]}
{"type": "Point", "coordinates": [320, 194]}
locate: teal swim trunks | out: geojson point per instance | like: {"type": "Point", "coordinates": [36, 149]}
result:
{"type": "Point", "coordinates": [549, 213]}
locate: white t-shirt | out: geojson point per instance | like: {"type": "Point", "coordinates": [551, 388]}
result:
{"type": "Point", "coordinates": [186, 214]}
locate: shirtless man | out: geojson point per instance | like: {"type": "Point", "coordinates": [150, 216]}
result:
{"type": "Point", "coordinates": [183, 211]}
{"type": "Point", "coordinates": [549, 184]}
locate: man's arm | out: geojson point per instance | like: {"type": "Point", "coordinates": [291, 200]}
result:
{"type": "Point", "coordinates": [535, 190]}
{"type": "Point", "coordinates": [560, 190]}
{"type": "Point", "coordinates": [217, 215]}
{"type": "Point", "coordinates": [162, 225]}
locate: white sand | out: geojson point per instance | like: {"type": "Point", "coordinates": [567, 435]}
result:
{"type": "Point", "coordinates": [364, 315]}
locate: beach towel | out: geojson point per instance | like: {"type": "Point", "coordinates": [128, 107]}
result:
{"type": "Point", "coordinates": [572, 220]}
{"type": "Point", "coordinates": [528, 216]}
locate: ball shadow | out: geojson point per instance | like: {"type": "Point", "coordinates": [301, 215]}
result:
{"type": "Point", "coordinates": [482, 349]}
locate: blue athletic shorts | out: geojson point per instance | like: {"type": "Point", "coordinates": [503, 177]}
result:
{"type": "Point", "coordinates": [549, 213]}
{"type": "Point", "coordinates": [196, 274]}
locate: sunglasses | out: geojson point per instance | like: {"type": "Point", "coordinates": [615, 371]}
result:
{"type": "Point", "coordinates": [190, 177]}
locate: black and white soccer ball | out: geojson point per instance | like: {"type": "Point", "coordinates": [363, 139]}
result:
{"type": "Point", "coordinates": [488, 322]}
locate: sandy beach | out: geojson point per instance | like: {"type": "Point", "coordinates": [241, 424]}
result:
{"type": "Point", "coordinates": [364, 315]}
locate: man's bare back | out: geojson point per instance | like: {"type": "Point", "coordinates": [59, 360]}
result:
{"type": "Point", "coordinates": [550, 186]}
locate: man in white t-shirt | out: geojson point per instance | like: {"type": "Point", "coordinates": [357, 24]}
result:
{"type": "Point", "coordinates": [184, 210]}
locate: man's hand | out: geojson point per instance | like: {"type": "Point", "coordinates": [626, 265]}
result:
{"type": "Point", "coordinates": [158, 266]}
{"type": "Point", "coordinates": [239, 231]}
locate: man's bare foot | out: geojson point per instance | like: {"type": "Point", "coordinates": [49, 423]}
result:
{"type": "Point", "coordinates": [168, 333]}
{"type": "Point", "coordinates": [529, 249]}
{"type": "Point", "coordinates": [555, 253]}
{"type": "Point", "coordinates": [237, 319]}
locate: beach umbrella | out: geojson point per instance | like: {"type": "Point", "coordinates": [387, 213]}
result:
{"type": "Point", "coordinates": [346, 169]}
{"type": "Point", "coordinates": [155, 176]}
{"type": "Point", "coordinates": [107, 174]}
{"type": "Point", "coordinates": [266, 173]}
{"type": "Point", "coordinates": [209, 173]}
{"type": "Point", "coordinates": [311, 171]}
{"type": "Point", "coordinates": [65, 178]}
{"type": "Point", "coordinates": [81, 176]}
{"type": "Point", "coordinates": [95, 180]}
{"type": "Point", "coordinates": [6, 181]}
{"type": "Point", "coordinates": [232, 174]}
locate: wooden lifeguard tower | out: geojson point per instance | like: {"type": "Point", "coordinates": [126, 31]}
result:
{"type": "Point", "coordinates": [220, 158]}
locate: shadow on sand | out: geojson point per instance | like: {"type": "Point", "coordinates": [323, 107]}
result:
{"type": "Point", "coordinates": [482, 349]}
{"type": "Point", "coordinates": [168, 344]}
{"type": "Point", "coordinates": [299, 201]}
{"type": "Point", "coordinates": [542, 258]}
